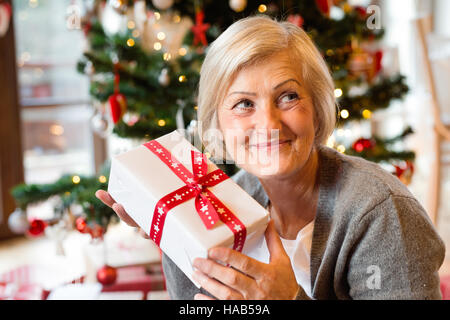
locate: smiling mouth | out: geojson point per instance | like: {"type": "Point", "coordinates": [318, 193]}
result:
{"type": "Point", "coordinates": [270, 144]}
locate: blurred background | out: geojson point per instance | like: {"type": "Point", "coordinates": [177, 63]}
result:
{"type": "Point", "coordinates": [82, 80]}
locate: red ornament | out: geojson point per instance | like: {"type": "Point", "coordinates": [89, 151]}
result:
{"type": "Point", "coordinates": [81, 225]}
{"type": "Point", "coordinates": [199, 29]}
{"type": "Point", "coordinates": [362, 12]}
{"type": "Point", "coordinates": [296, 19]}
{"type": "Point", "coordinates": [378, 56]}
{"type": "Point", "coordinates": [363, 144]}
{"type": "Point", "coordinates": [117, 102]}
{"type": "Point", "coordinates": [96, 232]}
{"type": "Point", "coordinates": [37, 227]}
{"type": "Point", "coordinates": [107, 275]}
{"type": "Point", "coordinates": [324, 6]}
{"type": "Point", "coordinates": [405, 172]}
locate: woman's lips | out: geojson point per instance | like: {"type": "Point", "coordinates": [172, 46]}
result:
{"type": "Point", "coordinates": [270, 144]}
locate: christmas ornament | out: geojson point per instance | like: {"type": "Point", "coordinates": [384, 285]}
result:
{"type": "Point", "coordinates": [162, 4]}
{"type": "Point", "coordinates": [324, 6]}
{"type": "Point", "coordinates": [18, 222]}
{"type": "Point", "coordinates": [238, 5]}
{"type": "Point", "coordinates": [296, 19]}
{"type": "Point", "coordinates": [81, 225]}
{"type": "Point", "coordinates": [121, 6]}
{"type": "Point", "coordinates": [363, 144]}
{"type": "Point", "coordinates": [404, 172]}
{"type": "Point", "coordinates": [100, 123]}
{"type": "Point", "coordinates": [36, 228]}
{"type": "Point", "coordinates": [57, 232]}
{"type": "Point", "coordinates": [164, 78]}
{"type": "Point", "coordinates": [5, 18]}
{"type": "Point", "coordinates": [117, 102]}
{"type": "Point", "coordinates": [96, 232]}
{"type": "Point", "coordinates": [199, 29]}
{"type": "Point", "coordinates": [130, 118]}
{"type": "Point", "coordinates": [107, 275]}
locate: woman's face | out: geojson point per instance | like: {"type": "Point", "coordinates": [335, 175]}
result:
{"type": "Point", "coordinates": [267, 119]}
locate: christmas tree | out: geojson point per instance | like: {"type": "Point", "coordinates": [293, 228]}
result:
{"type": "Point", "coordinates": [144, 58]}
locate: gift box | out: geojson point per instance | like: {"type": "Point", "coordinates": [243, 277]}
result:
{"type": "Point", "coordinates": [183, 201]}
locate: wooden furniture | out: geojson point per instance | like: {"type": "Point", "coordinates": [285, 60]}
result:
{"type": "Point", "coordinates": [441, 129]}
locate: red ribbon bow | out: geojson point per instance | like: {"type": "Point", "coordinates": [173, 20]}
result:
{"type": "Point", "coordinates": [209, 208]}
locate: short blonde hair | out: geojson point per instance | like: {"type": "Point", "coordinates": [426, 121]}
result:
{"type": "Point", "coordinates": [249, 41]}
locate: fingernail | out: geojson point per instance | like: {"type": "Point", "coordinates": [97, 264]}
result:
{"type": "Point", "coordinates": [197, 262]}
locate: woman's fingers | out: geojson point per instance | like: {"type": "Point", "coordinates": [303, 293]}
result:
{"type": "Point", "coordinates": [201, 296]}
{"type": "Point", "coordinates": [216, 288]}
{"type": "Point", "coordinates": [228, 276]}
{"type": "Point", "coordinates": [123, 215]}
{"type": "Point", "coordinates": [239, 261]}
{"type": "Point", "coordinates": [105, 197]}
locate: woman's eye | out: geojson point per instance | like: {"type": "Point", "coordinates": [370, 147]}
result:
{"type": "Point", "coordinates": [289, 97]}
{"type": "Point", "coordinates": [244, 104]}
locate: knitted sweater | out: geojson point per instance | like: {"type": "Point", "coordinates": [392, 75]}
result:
{"type": "Point", "coordinates": [372, 239]}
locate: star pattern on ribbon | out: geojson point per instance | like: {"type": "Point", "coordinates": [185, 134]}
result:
{"type": "Point", "coordinates": [197, 183]}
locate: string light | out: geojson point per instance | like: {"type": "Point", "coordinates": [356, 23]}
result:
{"type": "Point", "coordinates": [367, 114]}
{"type": "Point", "coordinates": [102, 179]}
{"type": "Point", "coordinates": [182, 78]}
{"type": "Point", "coordinates": [340, 148]}
{"type": "Point", "coordinates": [131, 24]}
{"type": "Point", "coordinates": [161, 35]}
{"type": "Point", "coordinates": [166, 56]}
{"type": "Point", "coordinates": [262, 8]}
{"type": "Point", "coordinates": [157, 46]}
{"type": "Point", "coordinates": [330, 142]}
{"type": "Point", "coordinates": [344, 114]}
{"type": "Point", "coordinates": [161, 122]}
{"type": "Point", "coordinates": [130, 42]}
{"type": "Point", "coordinates": [56, 130]}
{"type": "Point", "coordinates": [76, 179]}
{"type": "Point", "coordinates": [176, 18]}
{"type": "Point", "coordinates": [157, 15]}
{"type": "Point", "coordinates": [136, 33]}
{"type": "Point", "coordinates": [182, 51]}
{"type": "Point", "coordinates": [338, 92]}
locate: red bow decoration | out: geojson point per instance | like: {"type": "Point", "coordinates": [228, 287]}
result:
{"type": "Point", "coordinates": [208, 206]}
{"type": "Point", "coordinates": [199, 29]}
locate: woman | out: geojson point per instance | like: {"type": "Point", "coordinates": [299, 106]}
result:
{"type": "Point", "coordinates": [341, 227]}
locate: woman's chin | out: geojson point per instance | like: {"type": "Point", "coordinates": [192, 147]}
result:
{"type": "Point", "coordinates": [274, 169]}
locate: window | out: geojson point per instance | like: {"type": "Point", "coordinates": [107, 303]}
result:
{"type": "Point", "coordinates": [54, 97]}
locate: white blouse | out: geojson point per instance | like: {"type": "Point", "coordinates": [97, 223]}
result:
{"type": "Point", "coordinates": [298, 250]}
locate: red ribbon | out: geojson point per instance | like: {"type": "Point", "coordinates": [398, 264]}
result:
{"type": "Point", "coordinates": [208, 206]}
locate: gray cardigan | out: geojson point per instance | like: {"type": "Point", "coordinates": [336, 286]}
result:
{"type": "Point", "coordinates": [372, 239]}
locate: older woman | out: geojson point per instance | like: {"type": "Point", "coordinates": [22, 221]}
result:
{"type": "Point", "coordinates": [341, 227]}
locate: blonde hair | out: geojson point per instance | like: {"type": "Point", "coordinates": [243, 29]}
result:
{"type": "Point", "coordinates": [251, 40]}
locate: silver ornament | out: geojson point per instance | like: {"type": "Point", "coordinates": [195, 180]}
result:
{"type": "Point", "coordinates": [100, 124]}
{"type": "Point", "coordinates": [18, 221]}
{"type": "Point", "coordinates": [164, 78]}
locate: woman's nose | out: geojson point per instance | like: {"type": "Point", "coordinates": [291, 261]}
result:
{"type": "Point", "coordinates": [268, 117]}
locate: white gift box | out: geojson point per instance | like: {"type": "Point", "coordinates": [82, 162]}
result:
{"type": "Point", "coordinates": [139, 179]}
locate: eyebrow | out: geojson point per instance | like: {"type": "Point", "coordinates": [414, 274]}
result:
{"type": "Point", "coordinates": [274, 88]}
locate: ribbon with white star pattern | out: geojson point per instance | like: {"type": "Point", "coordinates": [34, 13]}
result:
{"type": "Point", "coordinates": [208, 206]}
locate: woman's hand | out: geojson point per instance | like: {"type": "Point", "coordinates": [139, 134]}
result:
{"type": "Point", "coordinates": [250, 279]}
{"type": "Point", "coordinates": [106, 198]}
